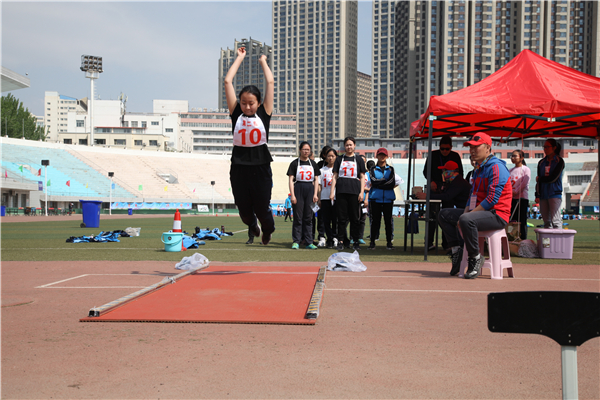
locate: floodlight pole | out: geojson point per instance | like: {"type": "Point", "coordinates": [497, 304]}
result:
{"type": "Point", "coordinates": [92, 66]}
{"type": "Point", "coordinates": [45, 163]}
{"type": "Point", "coordinates": [111, 175]}
{"type": "Point", "coordinates": [212, 185]}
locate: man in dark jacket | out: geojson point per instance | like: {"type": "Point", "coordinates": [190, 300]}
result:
{"type": "Point", "coordinates": [454, 193]}
{"type": "Point", "coordinates": [438, 159]}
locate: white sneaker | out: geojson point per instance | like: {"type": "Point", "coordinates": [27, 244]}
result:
{"type": "Point", "coordinates": [335, 242]}
{"type": "Point", "coordinates": [321, 242]}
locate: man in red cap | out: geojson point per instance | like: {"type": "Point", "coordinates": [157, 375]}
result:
{"type": "Point", "coordinates": [487, 209]}
{"type": "Point", "coordinates": [454, 192]}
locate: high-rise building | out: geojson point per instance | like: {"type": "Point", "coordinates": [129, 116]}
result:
{"type": "Point", "coordinates": [249, 73]}
{"type": "Point", "coordinates": [382, 68]}
{"type": "Point", "coordinates": [443, 46]}
{"type": "Point", "coordinates": [314, 65]}
{"type": "Point", "coordinates": [364, 95]}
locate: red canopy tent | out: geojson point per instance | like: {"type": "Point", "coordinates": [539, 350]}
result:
{"type": "Point", "coordinates": [530, 96]}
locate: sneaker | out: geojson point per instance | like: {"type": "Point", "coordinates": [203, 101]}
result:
{"type": "Point", "coordinates": [351, 241]}
{"type": "Point", "coordinates": [390, 246]}
{"type": "Point", "coordinates": [474, 269]}
{"type": "Point", "coordinates": [266, 238]}
{"type": "Point", "coordinates": [311, 247]}
{"type": "Point", "coordinates": [340, 246]}
{"type": "Point", "coordinates": [356, 246]}
{"type": "Point", "coordinates": [456, 260]}
{"type": "Point", "coordinates": [329, 245]}
{"type": "Point", "coordinates": [255, 230]}
{"type": "Point", "coordinates": [295, 246]}
{"type": "Point", "coordinates": [250, 240]}
{"type": "Point", "coordinates": [322, 242]}
{"type": "Point", "coordinates": [372, 246]}
{"type": "Point", "coordinates": [360, 241]}
{"type": "Point", "coordinates": [432, 248]}
{"type": "Point", "coordinates": [335, 242]}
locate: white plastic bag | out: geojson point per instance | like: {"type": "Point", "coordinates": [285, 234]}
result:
{"type": "Point", "coordinates": [345, 262]}
{"type": "Point", "coordinates": [193, 262]}
{"type": "Point", "coordinates": [528, 249]}
{"type": "Point", "coordinates": [133, 231]}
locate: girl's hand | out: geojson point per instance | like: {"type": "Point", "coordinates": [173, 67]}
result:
{"type": "Point", "coordinates": [294, 201]}
{"type": "Point", "coordinates": [242, 52]}
{"type": "Point", "coordinates": [262, 58]}
{"type": "Point", "coordinates": [315, 199]}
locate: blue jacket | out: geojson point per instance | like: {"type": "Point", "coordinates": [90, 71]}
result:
{"type": "Point", "coordinates": [379, 195]}
{"type": "Point", "coordinates": [491, 184]}
{"type": "Point", "coordinates": [549, 186]}
{"type": "Point", "coordinates": [288, 202]}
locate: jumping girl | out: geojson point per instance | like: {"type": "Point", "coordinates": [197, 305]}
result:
{"type": "Point", "coordinates": [250, 174]}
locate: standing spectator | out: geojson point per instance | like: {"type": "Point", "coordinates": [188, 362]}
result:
{"type": "Point", "coordinates": [304, 187]}
{"type": "Point", "coordinates": [363, 209]}
{"type": "Point", "coordinates": [349, 188]}
{"type": "Point", "coordinates": [250, 174]}
{"type": "Point", "coordinates": [327, 210]}
{"type": "Point", "coordinates": [488, 207]}
{"type": "Point", "coordinates": [520, 175]}
{"type": "Point", "coordinates": [318, 223]}
{"type": "Point", "coordinates": [381, 196]}
{"type": "Point", "coordinates": [441, 157]}
{"type": "Point", "coordinates": [548, 191]}
{"type": "Point", "coordinates": [288, 208]}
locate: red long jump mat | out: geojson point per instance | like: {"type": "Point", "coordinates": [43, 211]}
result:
{"type": "Point", "coordinates": [226, 294]}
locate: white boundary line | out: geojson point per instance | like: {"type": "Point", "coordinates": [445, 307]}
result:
{"type": "Point", "coordinates": [408, 290]}
{"type": "Point", "coordinates": [233, 272]}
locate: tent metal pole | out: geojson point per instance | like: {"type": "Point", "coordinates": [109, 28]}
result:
{"type": "Point", "coordinates": [428, 198]}
{"type": "Point", "coordinates": [408, 191]}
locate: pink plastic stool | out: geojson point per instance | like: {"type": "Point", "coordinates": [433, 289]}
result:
{"type": "Point", "coordinates": [499, 254]}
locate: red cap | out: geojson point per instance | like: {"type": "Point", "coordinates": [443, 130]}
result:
{"type": "Point", "coordinates": [381, 150]}
{"type": "Point", "coordinates": [479, 138]}
{"type": "Point", "coordinates": [450, 165]}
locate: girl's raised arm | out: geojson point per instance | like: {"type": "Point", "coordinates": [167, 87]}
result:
{"type": "Point", "coordinates": [229, 89]}
{"type": "Point", "coordinates": [269, 93]}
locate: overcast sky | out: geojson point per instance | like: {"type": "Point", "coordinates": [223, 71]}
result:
{"type": "Point", "coordinates": [150, 50]}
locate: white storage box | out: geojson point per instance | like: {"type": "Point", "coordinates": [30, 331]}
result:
{"type": "Point", "coordinates": [555, 243]}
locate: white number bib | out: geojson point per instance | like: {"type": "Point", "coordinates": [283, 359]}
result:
{"type": "Point", "coordinates": [348, 170]}
{"type": "Point", "coordinates": [305, 173]}
{"type": "Point", "coordinates": [249, 132]}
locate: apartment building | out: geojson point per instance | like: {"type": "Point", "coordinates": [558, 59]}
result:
{"type": "Point", "coordinates": [315, 67]}
{"type": "Point", "coordinates": [382, 68]}
{"type": "Point", "coordinates": [249, 73]}
{"type": "Point", "coordinates": [444, 46]}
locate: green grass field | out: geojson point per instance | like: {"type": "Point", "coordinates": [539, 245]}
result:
{"type": "Point", "coordinates": [41, 241]}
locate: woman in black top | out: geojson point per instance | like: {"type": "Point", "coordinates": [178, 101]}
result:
{"type": "Point", "coordinates": [348, 188]}
{"type": "Point", "coordinates": [250, 174]}
{"type": "Point", "coordinates": [304, 188]}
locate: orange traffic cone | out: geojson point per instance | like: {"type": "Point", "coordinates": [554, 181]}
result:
{"type": "Point", "coordinates": [177, 227]}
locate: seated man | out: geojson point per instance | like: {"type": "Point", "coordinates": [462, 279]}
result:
{"type": "Point", "coordinates": [488, 207]}
{"type": "Point", "coordinates": [454, 193]}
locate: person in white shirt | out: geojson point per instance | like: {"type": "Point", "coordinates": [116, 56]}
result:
{"type": "Point", "coordinates": [327, 210]}
{"type": "Point", "coordinates": [520, 175]}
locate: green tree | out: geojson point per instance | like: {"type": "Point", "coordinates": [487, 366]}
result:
{"type": "Point", "coordinates": [17, 121]}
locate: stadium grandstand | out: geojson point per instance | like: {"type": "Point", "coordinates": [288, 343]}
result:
{"type": "Point", "coordinates": [78, 172]}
